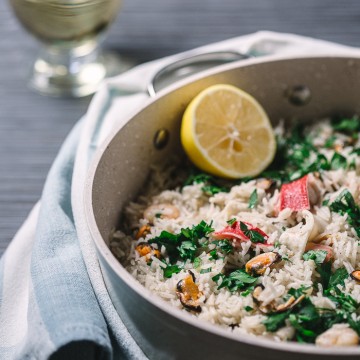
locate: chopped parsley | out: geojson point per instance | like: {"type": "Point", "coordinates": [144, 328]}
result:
{"type": "Point", "coordinates": [184, 245]}
{"type": "Point", "coordinates": [236, 280]}
{"type": "Point", "coordinates": [197, 262]}
{"type": "Point", "coordinates": [347, 125]}
{"type": "Point", "coordinates": [309, 321]}
{"type": "Point", "coordinates": [297, 155]}
{"type": "Point", "coordinates": [231, 221]}
{"type": "Point", "coordinates": [253, 199]}
{"type": "Point", "coordinates": [322, 267]}
{"type": "Point", "coordinates": [171, 269]}
{"type": "Point", "coordinates": [338, 162]}
{"type": "Point", "coordinates": [211, 185]}
{"type": "Point", "coordinates": [317, 255]}
{"type": "Point", "coordinates": [253, 235]}
{"type": "Point", "coordinates": [224, 246]}
{"type": "Point", "coordinates": [207, 270]}
{"type": "Point", "coordinates": [345, 204]}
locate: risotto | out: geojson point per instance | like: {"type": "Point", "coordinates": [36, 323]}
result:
{"type": "Point", "coordinates": [275, 256]}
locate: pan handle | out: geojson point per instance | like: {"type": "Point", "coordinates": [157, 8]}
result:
{"type": "Point", "coordinates": [190, 65]}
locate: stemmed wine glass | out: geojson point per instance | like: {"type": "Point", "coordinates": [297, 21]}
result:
{"type": "Point", "coordinates": [70, 62]}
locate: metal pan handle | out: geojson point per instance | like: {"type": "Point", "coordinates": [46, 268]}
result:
{"type": "Point", "coordinates": [190, 65]}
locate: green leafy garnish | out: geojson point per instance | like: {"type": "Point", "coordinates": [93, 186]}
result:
{"type": "Point", "coordinates": [317, 255]}
{"type": "Point", "coordinates": [170, 270]}
{"type": "Point", "coordinates": [253, 199]}
{"type": "Point", "coordinates": [309, 321]}
{"type": "Point", "coordinates": [237, 280]}
{"type": "Point", "coordinates": [347, 125]}
{"type": "Point", "coordinates": [329, 143]}
{"type": "Point", "coordinates": [224, 246]}
{"type": "Point", "coordinates": [345, 204]}
{"type": "Point", "coordinates": [211, 185]}
{"type": "Point", "coordinates": [197, 262]}
{"type": "Point", "coordinates": [297, 155]}
{"type": "Point", "coordinates": [204, 271]}
{"type": "Point", "coordinates": [231, 221]}
{"type": "Point", "coordinates": [213, 255]}
{"type": "Point", "coordinates": [338, 162]}
{"type": "Point", "coordinates": [253, 235]}
{"type": "Point", "coordinates": [184, 245]}
{"type": "Point", "coordinates": [274, 322]}
{"type": "Point", "coordinates": [338, 278]}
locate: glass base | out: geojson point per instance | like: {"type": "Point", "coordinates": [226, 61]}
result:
{"type": "Point", "coordinates": [74, 72]}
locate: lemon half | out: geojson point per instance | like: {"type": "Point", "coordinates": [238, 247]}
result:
{"type": "Point", "coordinates": [227, 133]}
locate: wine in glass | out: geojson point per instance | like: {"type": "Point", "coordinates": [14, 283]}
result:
{"type": "Point", "coordinates": [70, 62]}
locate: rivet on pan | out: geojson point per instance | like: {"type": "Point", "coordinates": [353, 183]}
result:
{"type": "Point", "coordinates": [161, 138]}
{"type": "Point", "coordinates": [299, 95]}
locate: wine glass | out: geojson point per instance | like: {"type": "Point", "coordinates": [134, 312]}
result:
{"type": "Point", "coordinates": [70, 62]}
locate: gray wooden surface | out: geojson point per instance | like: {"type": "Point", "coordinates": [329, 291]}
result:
{"type": "Point", "coordinates": [33, 127]}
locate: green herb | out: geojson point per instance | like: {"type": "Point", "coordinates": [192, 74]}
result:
{"type": "Point", "coordinates": [318, 256]}
{"type": "Point", "coordinates": [306, 322]}
{"type": "Point", "coordinates": [186, 244]}
{"type": "Point", "coordinates": [297, 154]}
{"type": "Point", "coordinates": [224, 246]}
{"type": "Point", "coordinates": [237, 280]}
{"type": "Point", "coordinates": [286, 258]}
{"type": "Point", "coordinates": [187, 249]}
{"type": "Point", "coordinates": [213, 189]}
{"type": "Point", "coordinates": [211, 185]}
{"type": "Point", "coordinates": [338, 278]}
{"type": "Point", "coordinates": [345, 204]}
{"type": "Point", "coordinates": [170, 270]}
{"type": "Point", "coordinates": [231, 221]}
{"type": "Point", "coordinates": [253, 199]}
{"type": "Point", "coordinates": [248, 308]}
{"type": "Point", "coordinates": [309, 321]}
{"type": "Point", "coordinates": [274, 322]}
{"type": "Point", "coordinates": [325, 202]}
{"type": "Point", "coordinates": [322, 267]}
{"type": "Point", "coordinates": [329, 143]}
{"type": "Point", "coordinates": [338, 162]}
{"type": "Point", "coordinates": [253, 235]}
{"type": "Point", "coordinates": [347, 125]}
{"type": "Point", "coordinates": [213, 254]}
{"type": "Point", "coordinates": [324, 271]}
{"type": "Point", "coordinates": [355, 151]}
{"type": "Point", "coordinates": [198, 179]}
{"type": "Point", "coordinates": [302, 290]}
{"type": "Point", "coordinates": [352, 165]}
{"type": "Point", "coordinates": [204, 271]}
{"type": "Point", "coordinates": [248, 291]}
{"type": "Point", "coordinates": [197, 262]}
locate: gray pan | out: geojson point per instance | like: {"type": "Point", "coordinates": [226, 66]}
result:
{"type": "Point", "coordinates": [288, 88]}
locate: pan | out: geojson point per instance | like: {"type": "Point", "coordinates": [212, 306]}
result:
{"type": "Point", "coordinates": [303, 89]}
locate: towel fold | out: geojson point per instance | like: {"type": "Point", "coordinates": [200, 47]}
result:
{"type": "Point", "coordinates": [53, 300]}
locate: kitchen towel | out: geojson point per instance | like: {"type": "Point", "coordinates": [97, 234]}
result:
{"type": "Point", "coordinates": [53, 300]}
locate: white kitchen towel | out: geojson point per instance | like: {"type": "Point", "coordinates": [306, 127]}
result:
{"type": "Point", "coordinates": [53, 300]}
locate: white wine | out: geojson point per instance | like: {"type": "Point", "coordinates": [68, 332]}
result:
{"type": "Point", "coordinates": [70, 60]}
{"type": "Point", "coordinates": [72, 21]}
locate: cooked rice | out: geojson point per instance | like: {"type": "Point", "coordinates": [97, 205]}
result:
{"type": "Point", "coordinates": [290, 231]}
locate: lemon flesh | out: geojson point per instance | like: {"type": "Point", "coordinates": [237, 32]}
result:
{"type": "Point", "coordinates": [227, 133]}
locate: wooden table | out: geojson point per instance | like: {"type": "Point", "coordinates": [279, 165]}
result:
{"type": "Point", "coordinates": [32, 127]}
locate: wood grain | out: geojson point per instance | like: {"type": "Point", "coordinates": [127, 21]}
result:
{"type": "Point", "coordinates": [32, 127]}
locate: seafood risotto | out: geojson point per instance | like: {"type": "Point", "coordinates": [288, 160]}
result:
{"type": "Point", "coordinates": [276, 256]}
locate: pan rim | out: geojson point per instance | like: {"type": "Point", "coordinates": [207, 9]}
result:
{"type": "Point", "coordinates": [145, 294]}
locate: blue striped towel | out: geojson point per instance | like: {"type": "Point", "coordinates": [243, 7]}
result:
{"type": "Point", "coordinates": [53, 301]}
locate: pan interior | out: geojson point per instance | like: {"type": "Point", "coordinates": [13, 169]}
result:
{"type": "Point", "coordinates": [289, 89]}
